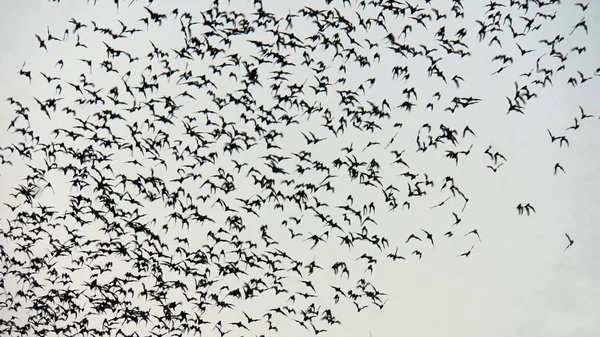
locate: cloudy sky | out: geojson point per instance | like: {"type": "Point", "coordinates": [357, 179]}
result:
{"type": "Point", "coordinates": [518, 281]}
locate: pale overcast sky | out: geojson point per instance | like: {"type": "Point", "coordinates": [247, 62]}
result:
{"type": "Point", "coordinates": [518, 279]}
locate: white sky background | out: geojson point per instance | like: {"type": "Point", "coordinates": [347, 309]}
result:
{"type": "Point", "coordinates": [518, 281]}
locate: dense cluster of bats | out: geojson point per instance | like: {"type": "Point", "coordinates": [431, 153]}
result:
{"type": "Point", "coordinates": [176, 177]}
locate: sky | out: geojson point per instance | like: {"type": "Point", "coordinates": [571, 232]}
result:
{"type": "Point", "coordinates": [518, 281]}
